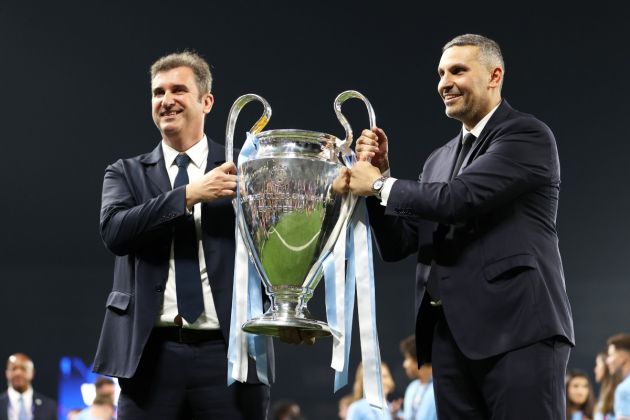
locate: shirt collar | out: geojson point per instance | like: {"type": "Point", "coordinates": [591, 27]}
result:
{"type": "Point", "coordinates": [198, 153]}
{"type": "Point", "coordinates": [14, 396]}
{"type": "Point", "coordinates": [477, 129]}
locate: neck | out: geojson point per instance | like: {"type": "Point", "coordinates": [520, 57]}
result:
{"type": "Point", "coordinates": [625, 370]}
{"type": "Point", "coordinates": [182, 144]}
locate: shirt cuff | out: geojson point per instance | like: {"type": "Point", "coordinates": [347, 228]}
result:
{"type": "Point", "coordinates": [387, 188]}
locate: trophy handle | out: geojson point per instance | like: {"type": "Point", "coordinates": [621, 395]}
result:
{"type": "Point", "coordinates": [339, 100]}
{"type": "Point", "coordinates": [256, 128]}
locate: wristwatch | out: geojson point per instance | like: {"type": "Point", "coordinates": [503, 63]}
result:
{"type": "Point", "coordinates": [378, 185]}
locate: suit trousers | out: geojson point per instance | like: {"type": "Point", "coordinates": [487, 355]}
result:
{"type": "Point", "coordinates": [179, 381]}
{"type": "Point", "coordinates": [525, 383]}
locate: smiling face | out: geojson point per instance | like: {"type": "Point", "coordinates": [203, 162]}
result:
{"type": "Point", "coordinates": [178, 108]}
{"type": "Point", "coordinates": [468, 86]}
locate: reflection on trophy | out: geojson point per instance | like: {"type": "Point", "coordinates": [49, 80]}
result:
{"type": "Point", "coordinates": [287, 213]}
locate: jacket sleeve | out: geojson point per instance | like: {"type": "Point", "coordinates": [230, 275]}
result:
{"type": "Point", "coordinates": [521, 157]}
{"type": "Point", "coordinates": [395, 237]}
{"type": "Point", "coordinates": [126, 223]}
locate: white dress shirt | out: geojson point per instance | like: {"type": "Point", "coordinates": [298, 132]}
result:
{"type": "Point", "coordinates": [476, 131]}
{"type": "Point", "coordinates": [13, 411]}
{"type": "Point", "coordinates": [208, 319]}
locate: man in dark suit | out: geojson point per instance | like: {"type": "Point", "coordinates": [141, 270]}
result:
{"type": "Point", "coordinates": [20, 401]}
{"type": "Point", "coordinates": [167, 217]}
{"type": "Point", "coordinates": [493, 314]}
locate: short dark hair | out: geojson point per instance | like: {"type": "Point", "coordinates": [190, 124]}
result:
{"type": "Point", "coordinates": [190, 59]}
{"type": "Point", "coordinates": [408, 346]}
{"type": "Point", "coordinates": [620, 341]}
{"type": "Point", "coordinates": [490, 52]}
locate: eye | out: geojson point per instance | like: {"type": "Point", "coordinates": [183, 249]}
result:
{"type": "Point", "coordinates": [158, 93]}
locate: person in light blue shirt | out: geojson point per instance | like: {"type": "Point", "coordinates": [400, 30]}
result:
{"type": "Point", "coordinates": [360, 409]}
{"type": "Point", "coordinates": [580, 395]}
{"type": "Point", "coordinates": [618, 360]}
{"type": "Point", "coordinates": [419, 402]}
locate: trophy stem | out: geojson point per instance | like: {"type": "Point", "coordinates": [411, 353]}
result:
{"type": "Point", "coordinates": [288, 310]}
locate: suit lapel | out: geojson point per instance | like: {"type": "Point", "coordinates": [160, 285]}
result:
{"type": "Point", "coordinates": [445, 162]}
{"type": "Point", "coordinates": [216, 155]}
{"type": "Point", "coordinates": [156, 169]}
{"type": "Point", "coordinates": [484, 137]}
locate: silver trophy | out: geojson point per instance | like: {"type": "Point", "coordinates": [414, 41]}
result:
{"type": "Point", "coordinates": [288, 215]}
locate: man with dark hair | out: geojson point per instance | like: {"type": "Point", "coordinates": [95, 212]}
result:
{"type": "Point", "coordinates": [167, 217]}
{"type": "Point", "coordinates": [490, 290]}
{"type": "Point", "coordinates": [20, 401]}
{"type": "Point", "coordinates": [618, 361]}
{"type": "Point", "coordinates": [419, 401]}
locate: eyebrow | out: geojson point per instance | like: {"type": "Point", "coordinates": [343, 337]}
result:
{"type": "Point", "coordinates": [174, 87]}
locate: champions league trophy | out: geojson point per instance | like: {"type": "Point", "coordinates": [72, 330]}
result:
{"type": "Point", "coordinates": [287, 213]}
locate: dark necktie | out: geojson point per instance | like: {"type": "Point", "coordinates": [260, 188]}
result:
{"type": "Point", "coordinates": [467, 143]}
{"type": "Point", "coordinates": [187, 277]}
{"type": "Point", "coordinates": [432, 282]}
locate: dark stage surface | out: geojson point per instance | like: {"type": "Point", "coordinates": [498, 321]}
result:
{"type": "Point", "coordinates": [75, 97]}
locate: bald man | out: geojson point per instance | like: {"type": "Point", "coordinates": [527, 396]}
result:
{"type": "Point", "coordinates": [20, 401]}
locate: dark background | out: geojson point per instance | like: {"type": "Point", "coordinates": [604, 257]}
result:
{"type": "Point", "coordinates": [75, 97]}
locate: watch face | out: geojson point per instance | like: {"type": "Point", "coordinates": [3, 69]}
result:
{"type": "Point", "coordinates": [378, 184]}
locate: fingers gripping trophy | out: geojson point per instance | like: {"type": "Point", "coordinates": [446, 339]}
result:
{"type": "Point", "coordinates": [292, 231]}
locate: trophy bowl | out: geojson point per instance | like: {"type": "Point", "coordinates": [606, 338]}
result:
{"type": "Point", "coordinates": [288, 215]}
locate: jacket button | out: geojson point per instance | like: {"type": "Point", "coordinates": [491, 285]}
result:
{"type": "Point", "coordinates": [159, 288]}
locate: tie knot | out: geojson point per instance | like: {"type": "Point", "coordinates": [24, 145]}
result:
{"type": "Point", "coordinates": [182, 160]}
{"type": "Point", "coordinates": [468, 139]}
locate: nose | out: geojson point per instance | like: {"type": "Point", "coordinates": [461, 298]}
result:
{"type": "Point", "coordinates": [167, 99]}
{"type": "Point", "coordinates": [444, 84]}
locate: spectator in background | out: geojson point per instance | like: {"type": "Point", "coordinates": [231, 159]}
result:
{"type": "Point", "coordinates": [618, 361]}
{"type": "Point", "coordinates": [607, 383]}
{"type": "Point", "coordinates": [285, 410]}
{"type": "Point", "coordinates": [20, 401]}
{"type": "Point", "coordinates": [419, 402]}
{"type": "Point", "coordinates": [580, 399]}
{"type": "Point", "coordinates": [73, 414]}
{"type": "Point", "coordinates": [102, 408]}
{"type": "Point", "coordinates": [344, 403]}
{"type": "Point", "coordinates": [105, 386]}
{"type": "Point", "coordinates": [360, 409]}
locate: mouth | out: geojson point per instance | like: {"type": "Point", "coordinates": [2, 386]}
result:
{"type": "Point", "coordinates": [170, 113]}
{"type": "Point", "coordinates": [450, 98]}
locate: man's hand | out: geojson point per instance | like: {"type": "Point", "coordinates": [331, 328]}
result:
{"type": "Point", "coordinates": [372, 147]}
{"type": "Point", "coordinates": [294, 336]}
{"type": "Point", "coordinates": [341, 184]}
{"type": "Point", "coordinates": [362, 176]}
{"type": "Point", "coordinates": [217, 183]}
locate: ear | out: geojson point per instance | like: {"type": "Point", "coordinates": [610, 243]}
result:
{"type": "Point", "coordinates": [208, 101]}
{"type": "Point", "coordinates": [496, 77]}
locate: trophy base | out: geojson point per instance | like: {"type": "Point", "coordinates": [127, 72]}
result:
{"type": "Point", "coordinates": [280, 327]}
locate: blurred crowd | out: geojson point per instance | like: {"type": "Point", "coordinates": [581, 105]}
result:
{"type": "Point", "coordinates": [606, 397]}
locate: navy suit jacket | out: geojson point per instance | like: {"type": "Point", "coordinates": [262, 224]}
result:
{"type": "Point", "coordinates": [44, 408]}
{"type": "Point", "coordinates": [488, 235]}
{"type": "Point", "coordinates": [138, 212]}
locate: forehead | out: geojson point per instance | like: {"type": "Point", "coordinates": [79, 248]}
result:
{"type": "Point", "coordinates": [464, 55]}
{"type": "Point", "coordinates": [19, 362]}
{"type": "Point", "coordinates": [175, 76]}
{"type": "Point", "coordinates": [579, 380]}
